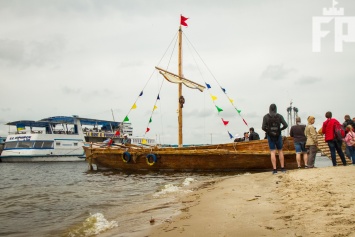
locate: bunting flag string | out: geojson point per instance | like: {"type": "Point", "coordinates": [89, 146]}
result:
{"type": "Point", "coordinates": [155, 107]}
{"type": "Point", "coordinates": [134, 106]}
{"type": "Point", "coordinates": [208, 85]}
{"type": "Point", "coordinates": [232, 103]}
{"type": "Point", "coordinates": [214, 98]}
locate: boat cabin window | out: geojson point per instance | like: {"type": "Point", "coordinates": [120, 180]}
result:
{"type": "Point", "coordinates": [25, 144]}
{"type": "Point", "coordinates": [48, 144]}
{"type": "Point", "coordinates": [75, 144]}
{"type": "Point", "coordinates": [57, 143]}
{"type": "Point", "coordinates": [9, 145]}
{"type": "Point", "coordinates": [38, 144]}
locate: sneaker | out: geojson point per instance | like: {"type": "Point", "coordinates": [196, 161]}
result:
{"type": "Point", "coordinates": [299, 167]}
{"type": "Point", "coordinates": [274, 172]}
{"type": "Point", "coordinates": [306, 166]}
{"type": "Point", "coordinates": [283, 170]}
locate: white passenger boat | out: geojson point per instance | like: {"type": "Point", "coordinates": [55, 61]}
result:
{"type": "Point", "coordinates": [59, 138]}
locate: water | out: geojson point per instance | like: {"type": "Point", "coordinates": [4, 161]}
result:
{"type": "Point", "coordinates": [65, 199]}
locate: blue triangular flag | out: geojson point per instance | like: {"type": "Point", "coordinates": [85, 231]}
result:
{"type": "Point", "coordinates": [141, 93]}
{"type": "Point", "coordinates": [224, 90]}
{"type": "Point", "coordinates": [158, 98]}
{"type": "Point", "coordinates": [230, 135]}
{"type": "Point", "coordinates": [208, 85]}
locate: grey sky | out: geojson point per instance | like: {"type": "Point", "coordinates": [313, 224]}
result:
{"type": "Point", "coordinates": [88, 57]}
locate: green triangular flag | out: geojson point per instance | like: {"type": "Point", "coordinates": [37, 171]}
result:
{"type": "Point", "coordinates": [150, 120]}
{"type": "Point", "coordinates": [238, 110]}
{"type": "Point", "coordinates": [219, 109]}
{"type": "Point", "coordinates": [126, 119]}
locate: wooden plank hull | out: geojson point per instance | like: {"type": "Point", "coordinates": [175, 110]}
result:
{"type": "Point", "coordinates": [254, 155]}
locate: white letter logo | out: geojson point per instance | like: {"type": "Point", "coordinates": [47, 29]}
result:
{"type": "Point", "coordinates": [339, 22]}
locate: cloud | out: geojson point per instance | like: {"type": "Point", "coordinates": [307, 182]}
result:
{"type": "Point", "coordinates": [277, 72]}
{"type": "Point", "coordinates": [11, 51]}
{"type": "Point", "coordinates": [69, 91]}
{"type": "Point", "coordinates": [308, 80]}
{"type": "Point", "coordinates": [15, 53]}
{"type": "Point", "coordinates": [5, 109]}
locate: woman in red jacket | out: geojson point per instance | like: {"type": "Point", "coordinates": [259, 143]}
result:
{"type": "Point", "coordinates": [334, 144]}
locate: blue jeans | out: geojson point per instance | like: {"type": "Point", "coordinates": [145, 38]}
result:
{"type": "Point", "coordinates": [300, 147]}
{"type": "Point", "coordinates": [336, 145]}
{"type": "Point", "coordinates": [352, 153]}
{"type": "Point", "coordinates": [275, 143]}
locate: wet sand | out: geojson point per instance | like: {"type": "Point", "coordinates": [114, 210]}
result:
{"type": "Point", "coordinates": [304, 202]}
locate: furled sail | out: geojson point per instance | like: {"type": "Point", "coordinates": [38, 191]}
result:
{"type": "Point", "coordinates": [171, 77]}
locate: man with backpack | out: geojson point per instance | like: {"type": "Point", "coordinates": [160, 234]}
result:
{"type": "Point", "coordinates": [331, 128]}
{"type": "Point", "coordinates": [272, 126]}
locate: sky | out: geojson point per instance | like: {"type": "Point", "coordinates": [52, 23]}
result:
{"type": "Point", "coordinates": [93, 58]}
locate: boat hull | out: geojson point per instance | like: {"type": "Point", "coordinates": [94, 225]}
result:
{"type": "Point", "coordinates": [254, 155]}
{"type": "Point", "coordinates": [14, 159]}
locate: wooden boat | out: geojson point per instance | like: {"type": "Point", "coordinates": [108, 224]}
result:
{"type": "Point", "coordinates": [252, 155]}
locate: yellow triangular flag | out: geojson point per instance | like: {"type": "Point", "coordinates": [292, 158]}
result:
{"type": "Point", "coordinates": [214, 97]}
{"type": "Point", "coordinates": [155, 107]}
{"type": "Point", "coordinates": [144, 141]}
{"type": "Point", "coordinates": [232, 101]}
{"type": "Point", "coordinates": [134, 106]}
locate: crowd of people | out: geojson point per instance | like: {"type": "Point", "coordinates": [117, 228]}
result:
{"type": "Point", "coordinates": [305, 138]}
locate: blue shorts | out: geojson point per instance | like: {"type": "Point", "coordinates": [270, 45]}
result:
{"type": "Point", "coordinates": [300, 147]}
{"type": "Point", "coordinates": [273, 144]}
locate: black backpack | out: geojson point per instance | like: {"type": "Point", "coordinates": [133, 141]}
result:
{"type": "Point", "coordinates": [274, 123]}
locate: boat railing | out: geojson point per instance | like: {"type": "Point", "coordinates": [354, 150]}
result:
{"type": "Point", "coordinates": [24, 132]}
{"type": "Point", "coordinates": [98, 134]}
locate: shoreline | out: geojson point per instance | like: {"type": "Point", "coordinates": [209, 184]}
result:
{"type": "Point", "coordinates": [304, 202]}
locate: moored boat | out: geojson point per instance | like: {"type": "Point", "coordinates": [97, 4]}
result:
{"type": "Point", "coordinates": [252, 155]}
{"type": "Point", "coordinates": [58, 138]}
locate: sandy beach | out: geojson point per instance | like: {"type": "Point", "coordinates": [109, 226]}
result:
{"type": "Point", "coordinates": [304, 202]}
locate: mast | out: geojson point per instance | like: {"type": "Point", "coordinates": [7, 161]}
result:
{"type": "Point", "coordinates": [180, 105]}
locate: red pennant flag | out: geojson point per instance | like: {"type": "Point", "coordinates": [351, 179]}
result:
{"type": "Point", "coordinates": [225, 122]}
{"type": "Point", "coordinates": [117, 133]}
{"type": "Point", "coordinates": [245, 122]}
{"type": "Point", "coordinates": [183, 21]}
{"type": "Point", "coordinates": [148, 129]}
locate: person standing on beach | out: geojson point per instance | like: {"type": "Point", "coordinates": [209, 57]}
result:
{"type": "Point", "coordinates": [312, 142]}
{"type": "Point", "coordinates": [347, 121]}
{"type": "Point", "coordinates": [350, 142]}
{"type": "Point", "coordinates": [299, 140]}
{"type": "Point", "coordinates": [333, 144]}
{"type": "Point", "coordinates": [272, 126]}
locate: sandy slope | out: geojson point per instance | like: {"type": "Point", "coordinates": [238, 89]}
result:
{"type": "Point", "coordinates": [306, 202]}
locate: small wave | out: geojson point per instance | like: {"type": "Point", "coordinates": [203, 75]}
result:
{"type": "Point", "coordinates": [188, 181]}
{"type": "Point", "coordinates": [170, 188]}
{"type": "Point", "coordinates": [93, 225]}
